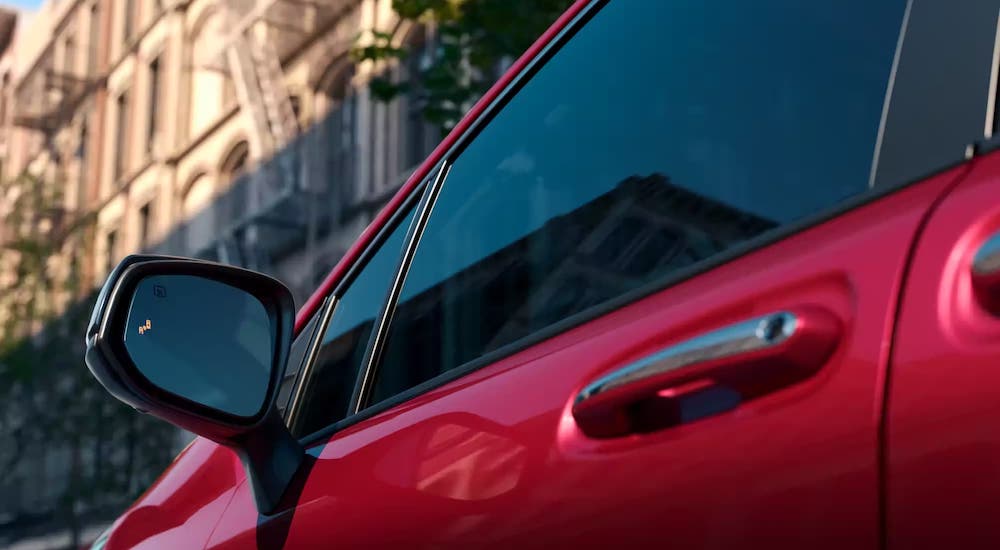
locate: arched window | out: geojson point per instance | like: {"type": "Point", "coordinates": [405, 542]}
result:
{"type": "Point", "coordinates": [209, 87]}
{"type": "Point", "coordinates": [235, 163]}
{"type": "Point", "coordinates": [335, 89]}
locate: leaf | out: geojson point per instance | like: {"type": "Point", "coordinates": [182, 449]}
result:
{"type": "Point", "coordinates": [383, 89]}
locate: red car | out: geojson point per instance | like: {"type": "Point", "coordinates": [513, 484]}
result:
{"type": "Point", "coordinates": [692, 274]}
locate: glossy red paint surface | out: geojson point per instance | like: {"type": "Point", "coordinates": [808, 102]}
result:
{"type": "Point", "coordinates": [943, 475]}
{"type": "Point", "coordinates": [496, 459]}
{"type": "Point", "coordinates": [184, 505]}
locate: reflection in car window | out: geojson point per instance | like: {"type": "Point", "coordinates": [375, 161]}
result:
{"type": "Point", "coordinates": [662, 134]}
{"type": "Point", "coordinates": [327, 391]}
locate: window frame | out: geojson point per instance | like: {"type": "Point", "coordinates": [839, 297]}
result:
{"type": "Point", "coordinates": [145, 223]}
{"type": "Point", "coordinates": [970, 86]}
{"type": "Point", "coordinates": [128, 20]}
{"type": "Point", "coordinates": [316, 323]}
{"type": "Point", "coordinates": [123, 111]}
{"type": "Point", "coordinates": [328, 307]}
{"type": "Point", "coordinates": [155, 75]}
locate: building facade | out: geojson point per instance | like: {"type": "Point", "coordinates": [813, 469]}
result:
{"type": "Point", "coordinates": [242, 132]}
{"type": "Point", "coordinates": [233, 130]}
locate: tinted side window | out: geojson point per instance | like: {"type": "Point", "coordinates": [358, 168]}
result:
{"type": "Point", "coordinates": [330, 380]}
{"type": "Point", "coordinates": [296, 355]}
{"type": "Point", "coordinates": [662, 134]}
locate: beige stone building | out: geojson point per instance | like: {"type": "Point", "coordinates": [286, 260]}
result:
{"type": "Point", "coordinates": [233, 130]}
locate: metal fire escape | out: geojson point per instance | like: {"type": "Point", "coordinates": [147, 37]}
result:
{"type": "Point", "coordinates": [254, 65]}
{"type": "Point", "coordinates": [50, 98]}
{"type": "Point", "coordinates": [47, 100]}
{"type": "Point", "coordinates": [272, 209]}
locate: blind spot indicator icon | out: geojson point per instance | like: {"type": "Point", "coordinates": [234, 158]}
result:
{"type": "Point", "coordinates": [144, 328]}
{"type": "Point", "coordinates": [159, 291]}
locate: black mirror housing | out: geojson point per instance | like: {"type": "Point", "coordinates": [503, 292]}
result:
{"type": "Point", "coordinates": [270, 454]}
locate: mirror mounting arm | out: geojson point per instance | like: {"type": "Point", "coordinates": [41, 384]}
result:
{"type": "Point", "coordinates": [271, 457]}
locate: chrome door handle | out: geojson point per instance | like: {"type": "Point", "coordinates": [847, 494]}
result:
{"type": "Point", "coordinates": [748, 336]}
{"type": "Point", "coordinates": [750, 357]}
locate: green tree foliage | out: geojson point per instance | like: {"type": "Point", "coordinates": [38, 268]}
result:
{"type": "Point", "coordinates": [473, 39]}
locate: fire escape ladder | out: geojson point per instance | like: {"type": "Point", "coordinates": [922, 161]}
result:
{"type": "Point", "coordinates": [248, 94]}
{"type": "Point", "coordinates": [277, 102]}
{"type": "Point", "coordinates": [278, 208]}
{"type": "Point", "coordinates": [258, 80]}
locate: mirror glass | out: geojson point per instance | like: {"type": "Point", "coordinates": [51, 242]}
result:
{"type": "Point", "coordinates": [202, 340]}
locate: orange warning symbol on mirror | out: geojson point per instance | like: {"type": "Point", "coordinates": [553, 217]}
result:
{"type": "Point", "coordinates": [144, 328]}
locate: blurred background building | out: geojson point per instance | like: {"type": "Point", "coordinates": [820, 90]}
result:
{"type": "Point", "coordinates": [234, 130]}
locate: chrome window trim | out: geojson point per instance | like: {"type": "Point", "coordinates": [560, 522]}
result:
{"type": "Point", "coordinates": [329, 308]}
{"type": "Point", "coordinates": [303, 338]}
{"type": "Point", "coordinates": [941, 91]}
{"type": "Point", "coordinates": [887, 100]}
{"type": "Point", "coordinates": [305, 372]}
{"type": "Point", "coordinates": [376, 342]}
{"type": "Point", "coordinates": [991, 94]}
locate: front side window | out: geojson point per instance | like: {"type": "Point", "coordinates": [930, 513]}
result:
{"type": "Point", "coordinates": [296, 356]}
{"type": "Point", "coordinates": [329, 382]}
{"type": "Point", "coordinates": [661, 135]}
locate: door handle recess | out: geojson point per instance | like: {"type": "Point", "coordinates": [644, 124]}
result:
{"type": "Point", "coordinates": [708, 374]}
{"type": "Point", "coordinates": [986, 274]}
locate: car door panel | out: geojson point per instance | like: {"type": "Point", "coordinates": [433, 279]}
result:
{"type": "Point", "coordinates": [943, 452]}
{"type": "Point", "coordinates": [185, 504]}
{"type": "Point", "coordinates": [495, 458]}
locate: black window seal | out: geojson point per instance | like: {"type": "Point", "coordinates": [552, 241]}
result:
{"type": "Point", "coordinates": [759, 242]}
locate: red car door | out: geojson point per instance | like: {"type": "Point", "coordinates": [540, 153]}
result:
{"type": "Point", "coordinates": [497, 458]}
{"type": "Point", "coordinates": [943, 460]}
{"type": "Point", "coordinates": [643, 297]}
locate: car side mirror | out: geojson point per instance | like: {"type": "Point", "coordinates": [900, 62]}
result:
{"type": "Point", "coordinates": [202, 346]}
